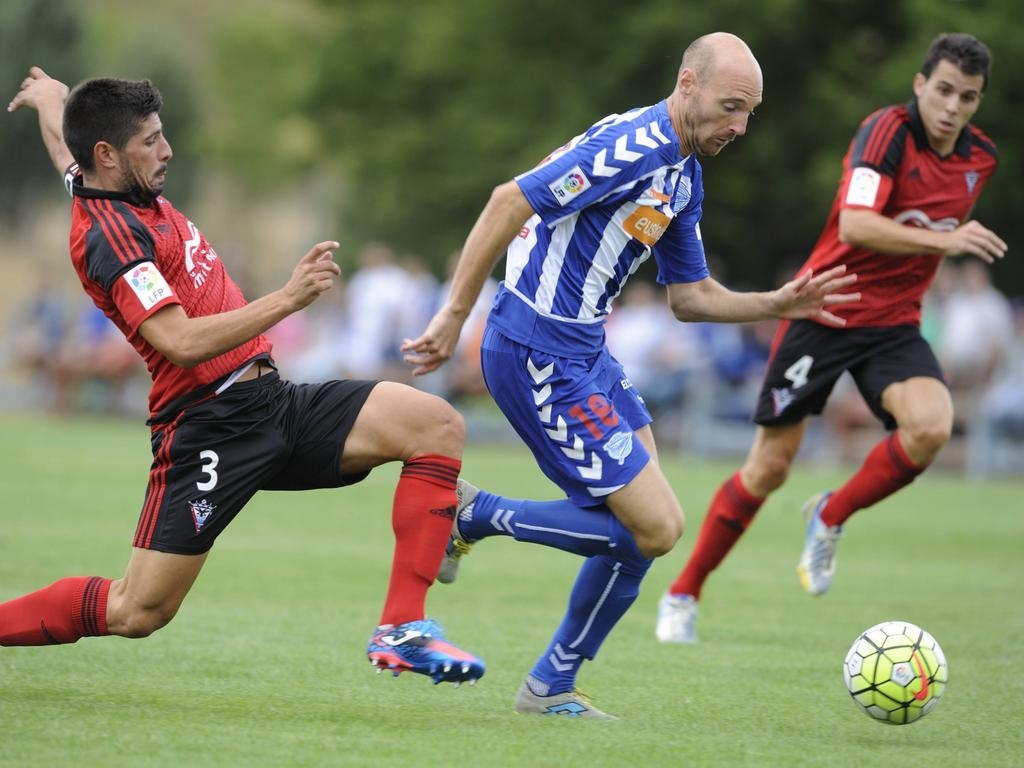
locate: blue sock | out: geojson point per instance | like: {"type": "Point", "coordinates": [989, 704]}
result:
{"type": "Point", "coordinates": [559, 524]}
{"type": "Point", "coordinates": [604, 590]}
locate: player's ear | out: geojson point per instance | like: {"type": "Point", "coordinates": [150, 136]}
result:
{"type": "Point", "coordinates": [687, 80]}
{"type": "Point", "coordinates": [104, 155]}
{"type": "Point", "coordinates": [919, 82]}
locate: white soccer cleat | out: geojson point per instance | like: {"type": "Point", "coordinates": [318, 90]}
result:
{"type": "Point", "coordinates": [677, 619]}
{"type": "Point", "coordinates": [818, 560]}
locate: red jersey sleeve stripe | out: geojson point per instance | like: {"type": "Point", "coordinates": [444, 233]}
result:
{"type": "Point", "coordinates": [114, 236]}
{"type": "Point", "coordinates": [881, 136]}
{"type": "Point", "coordinates": [119, 222]}
{"type": "Point", "coordinates": [115, 230]}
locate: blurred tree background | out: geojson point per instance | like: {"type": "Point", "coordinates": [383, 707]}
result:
{"type": "Point", "coordinates": [295, 120]}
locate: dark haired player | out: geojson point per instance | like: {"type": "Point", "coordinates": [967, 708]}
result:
{"type": "Point", "coordinates": [224, 423]}
{"type": "Point", "coordinates": [911, 178]}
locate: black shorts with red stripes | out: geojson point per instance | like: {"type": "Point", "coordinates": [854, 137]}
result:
{"type": "Point", "coordinates": [261, 434]}
{"type": "Point", "coordinates": [809, 358]}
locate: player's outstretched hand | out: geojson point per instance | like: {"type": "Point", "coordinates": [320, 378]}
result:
{"type": "Point", "coordinates": [809, 296]}
{"type": "Point", "coordinates": [974, 239]}
{"type": "Point", "coordinates": [313, 275]}
{"type": "Point", "coordinates": [435, 345]}
{"type": "Point", "coordinates": [38, 89]}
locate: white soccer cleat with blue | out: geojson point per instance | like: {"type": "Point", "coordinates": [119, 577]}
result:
{"type": "Point", "coordinates": [818, 560]}
{"type": "Point", "coordinates": [677, 619]}
{"type": "Point", "coordinates": [568, 704]}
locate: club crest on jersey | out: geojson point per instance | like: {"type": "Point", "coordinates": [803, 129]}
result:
{"type": "Point", "coordinates": [201, 511]}
{"type": "Point", "coordinates": [971, 177]}
{"type": "Point", "coordinates": [782, 399]}
{"type": "Point", "coordinates": [148, 284]}
{"type": "Point", "coordinates": [619, 446]}
{"type": "Point", "coordinates": [571, 185]}
{"type": "Point", "coordinates": [684, 191]}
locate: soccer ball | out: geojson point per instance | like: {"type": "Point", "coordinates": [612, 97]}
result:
{"type": "Point", "coordinates": [895, 672]}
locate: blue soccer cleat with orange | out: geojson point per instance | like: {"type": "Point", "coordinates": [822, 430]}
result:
{"type": "Point", "coordinates": [420, 646]}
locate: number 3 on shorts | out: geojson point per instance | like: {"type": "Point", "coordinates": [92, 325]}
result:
{"type": "Point", "coordinates": [210, 461]}
{"type": "Point", "coordinates": [797, 373]}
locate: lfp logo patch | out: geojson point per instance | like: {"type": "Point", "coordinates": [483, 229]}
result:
{"type": "Point", "coordinates": [574, 183]}
{"type": "Point", "coordinates": [148, 284]}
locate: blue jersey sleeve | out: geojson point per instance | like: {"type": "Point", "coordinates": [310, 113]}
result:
{"type": "Point", "coordinates": [679, 253]}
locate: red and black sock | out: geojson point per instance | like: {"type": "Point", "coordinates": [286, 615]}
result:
{"type": "Point", "coordinates": [63, 612]}
{"type": "Point", "coordinates": [422, 515]}
{"type": "Point", "coordinates": [886, 469]}
{"type": "Point", "coordinates": [731, 511]}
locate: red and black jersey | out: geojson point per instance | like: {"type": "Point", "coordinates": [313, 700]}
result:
{"type": "Point", "coordinates": [134, 259]}
{"type": "Point", "coordinates": [890, 168]}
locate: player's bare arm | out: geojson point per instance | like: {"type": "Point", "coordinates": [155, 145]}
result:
{"type": "Point", "coordinates": [500, 221]}
{"type": "Point", "coordinates": [187, 341]}
{"type": "Point", "coordinates": [868, 229]}
{"type": "Point", "coordinates": [46, 96]}
{"type": "Point", "coordinates": [807, 296]}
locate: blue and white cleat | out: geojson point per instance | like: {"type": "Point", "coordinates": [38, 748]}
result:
{"type": "Point", "coordinates": [457, 546]}
{"type": "Point", "coordinates": [818, 561]}
{"type": "Point", "coordinates": [420, 646]}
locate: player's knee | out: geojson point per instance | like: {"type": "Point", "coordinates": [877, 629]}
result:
{"type": "Point", "coordinates": [660, 537]}
{"type": "Point", "coordinates": [144, 621]}
{"type": "Point", "coordinates": [444, 431]}
{"type": "Point", "coordinates": [766, 474]}
{"type": "Point", "coordinates": [927, 438]}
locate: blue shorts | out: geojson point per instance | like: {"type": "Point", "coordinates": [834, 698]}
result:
{"type": "Point", "coordinates": [577, 415]}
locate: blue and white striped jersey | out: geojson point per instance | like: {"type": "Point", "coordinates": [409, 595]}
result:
{"type": "Point", "coordinates": [603, 203]}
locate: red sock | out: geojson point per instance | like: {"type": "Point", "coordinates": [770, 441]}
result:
{"type": "Point", "coordinates": [886, 469]}
{"type": "Point", "coordinates": [730, 513]}
{"type": "Point", "coordinates": [63, 612]}
{"type": "Point", "coordinates": [421, 517]}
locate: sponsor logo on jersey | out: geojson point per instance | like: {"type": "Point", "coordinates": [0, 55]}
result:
{"type": "Point", "coordinates": [646, 225]}
{"type": "Point", "coordinates": [201, 511]}
{"type": "Point", "coordinates": [619, 446]}
{"type": "Point", "coordinates": [199, 256]}
{"type": "Point", "coordinates": [148, 284]}
{"type": "Point", "coordinates": [918, 218]}
{"type": "Point", "coordinates": [658, 195]}
{"type": "Point", "coordinates": [863, 189]}
{"type": "Point", "coordinates": [573, 184]}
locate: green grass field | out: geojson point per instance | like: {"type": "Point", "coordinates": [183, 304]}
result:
{"type": "Point", "coordinates": [265, 665]}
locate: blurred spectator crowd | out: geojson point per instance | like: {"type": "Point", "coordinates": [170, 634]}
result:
{"type": "Point", "coordinates": [700, 380]}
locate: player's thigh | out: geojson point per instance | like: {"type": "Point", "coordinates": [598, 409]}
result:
{"type": "Point", "coordinates": [152, 589]}
{"type": "Point", "coordinates": [649, 508]}
{"type": "Point", "coordinates": [398, 422]}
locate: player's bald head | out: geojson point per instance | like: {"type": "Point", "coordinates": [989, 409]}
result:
{"type": "Point", "coordinates": [718, 52]}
